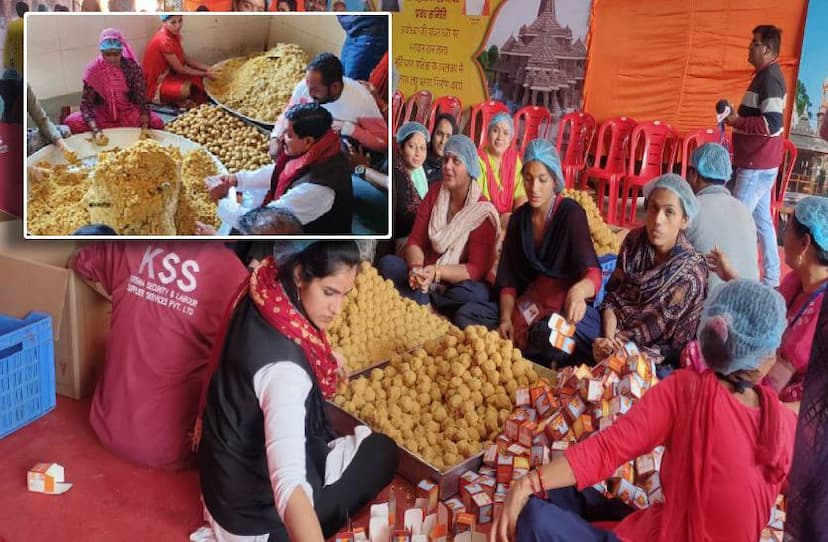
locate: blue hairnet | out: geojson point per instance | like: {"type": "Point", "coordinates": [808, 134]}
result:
{"type": "Point", "coordinates": [463, 148]}
{"type": "Point", "coordinates": [677, 185]}
{"type": "Point", "coordinates": [110, 44]}
{"type": "Point", "coordinates": [545, 152]}
{"type": "Point", "coordinates": [712, 161]}
{"type": "Point", "coordinates": [755, 320]}
{"type": "Point", "coordinates": [165, 17]}
{"type": "Point", "coordinates": [409, 128]}
{"type": "Point", "coordinates": [504, 118]}
{"type": "Point", "coordinates": [812, 212]}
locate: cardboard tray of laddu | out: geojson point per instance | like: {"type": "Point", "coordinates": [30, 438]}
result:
{"type": "Point", "coordinates": [410, 465]}
{"type": "Point", "coordinates": [34, 277]}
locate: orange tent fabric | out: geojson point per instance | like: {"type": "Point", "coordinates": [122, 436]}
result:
{"type": "Point", "coordinates": [672, 60]}
{"type": "Point", "coordinates": [212, 5]}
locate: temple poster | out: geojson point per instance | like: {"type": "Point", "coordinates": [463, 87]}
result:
{"type": "Point", "coordinates": [521, 52]}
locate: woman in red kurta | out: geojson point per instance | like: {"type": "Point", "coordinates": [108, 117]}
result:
{"type": "Point", "coordinates": [450, 249]}
{"type": "Point", "coordinates": [728, 442]}
{"type": "Point", "coordinates": [172, 77]}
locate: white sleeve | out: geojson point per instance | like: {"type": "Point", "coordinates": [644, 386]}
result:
{"type": "Point", "coordinates": [256, 179]}
{"type": "Point", "coordinates": [281, 389]}
{"type": "Point", "coordinates": [368, 108]}
{"type": "Point", "coordinates": [307, 201]}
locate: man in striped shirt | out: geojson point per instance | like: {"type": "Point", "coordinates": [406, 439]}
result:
{"type": "Point", "coordinates": [757, 142]}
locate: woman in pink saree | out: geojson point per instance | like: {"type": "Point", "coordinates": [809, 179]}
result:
{"type": "Point", "coordinates": [114, 91]}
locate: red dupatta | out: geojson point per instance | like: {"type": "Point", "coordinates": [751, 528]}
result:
{"type": "Point", "coordinates": [501, 195]}
{"type": "Point", "coordinates": [288, 169]}
{"type": "Point", "coordinates": [274, 305]}
{"type": "Point", "coordinates": [692, 449]}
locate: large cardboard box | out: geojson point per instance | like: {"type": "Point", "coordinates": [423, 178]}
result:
{"type": "Point", "coordinates": [33, 277]}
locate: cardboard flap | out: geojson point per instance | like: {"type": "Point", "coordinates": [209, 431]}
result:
{"type": "Point", "coordinates": [52, 252]}
{"type": "Point", "coordinates": [31, 286]}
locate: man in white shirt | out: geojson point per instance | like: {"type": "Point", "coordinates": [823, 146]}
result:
{"type": "Point", "coordinates": [354, 111]}
{"type": "Point", "coordinates": [311, 176]}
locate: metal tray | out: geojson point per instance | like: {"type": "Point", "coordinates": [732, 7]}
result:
{"type": "Point", "coordinates": [411, 466]}
{"type": "Point", "coordinates": [263, 123]}
{"type": "Point", "coordinates": [118, 137]}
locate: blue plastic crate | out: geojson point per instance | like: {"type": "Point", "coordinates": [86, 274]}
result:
{"type": "Point", "coordinates": [607, 263]}
{"type": "Point", "coordinates": [27, 370]}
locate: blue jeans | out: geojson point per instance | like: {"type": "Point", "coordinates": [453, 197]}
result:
{"type": "Point", "coordinates": [754, 188]}
{"type": "Point", "coordinates": [361, 54]}
{"type": "Point", "coordinates": [566, 517]}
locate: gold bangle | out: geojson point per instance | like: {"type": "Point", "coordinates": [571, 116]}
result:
{"type": "Point", "coordinates": [436, 273]}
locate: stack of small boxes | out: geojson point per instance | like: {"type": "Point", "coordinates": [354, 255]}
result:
{"type": "Point", "coordinates": [561, 333]}
{"type": "Point", "coordinates": [547, 419]}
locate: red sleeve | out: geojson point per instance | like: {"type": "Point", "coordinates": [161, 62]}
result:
{"type": "Point", "coordinates": [372, 133]}
{"type": "Point", "coordinates": [481, 250]}
{"type": "Point", "coordinates": [419, 232]}
{"type": "Point", "coordinates": [97, 263]}
{"type": "Point", "coordinates": [509, 291]}
{"type": "Point", "coordinates": [167, 46]}
{"type": "Point", "coordinates": [646, 425]}
{"type": "Point", "coordinates": [594, 275]}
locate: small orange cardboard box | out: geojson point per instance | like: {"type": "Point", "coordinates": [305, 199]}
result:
{"type": "Point", "coordinates": [47, 478]}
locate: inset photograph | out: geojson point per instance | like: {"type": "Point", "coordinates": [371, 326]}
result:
{"type": "Point", "coordinates": [205, 125]}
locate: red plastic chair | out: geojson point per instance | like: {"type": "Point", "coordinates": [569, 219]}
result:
{"type": "Point", "coordinates": [577, 131]}
{"type": "Point", "coordinates": [481, 114]}
{"type": "Point", "coordinates": [417, 107]}
{"type": "Point", "coordinates": [444, 104]}
{"type": "Point", "coordinates": [610, 164]}
{"type": "Point", "coordinates": [656, 142]}
{"type": "Point", "coordinates": [783, 179]}
{"type": "Point", "coordinates": [531, 122]}
{"type": "Point", "coordinates": [397, 105]}
{"type": "Point", "coordinates": [692, 141]}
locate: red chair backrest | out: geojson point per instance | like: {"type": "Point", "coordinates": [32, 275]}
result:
{"type": "Point", "coordinates": [785, 171]}
{"type": "Point", "coordinates": [655, 143]}
{"type": "Point", "coordinates": [575, 133]}
{"type": "Point", "coordinates": [692, 141]}
{"type": "Point", "coordinates": [397, 106]}
{"type": "Point", "coordinates": [612, 143]}
{"type": "Point", "coordinates": [531, 122]}
{"type": "Point", "coordinates": [444, 104]}
{"type": "Point", "coordinates": [481, 114]}
{"type": "Point", "coordinates": [417, 107]}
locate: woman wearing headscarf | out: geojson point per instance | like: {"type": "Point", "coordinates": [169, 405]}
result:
{"type": "Point", "coordinates": [655, 296]}
{"type": "Point", "coordinates": [450, 249]}
{"type": "Point", "coordinates": [728, 444]}
{"type": "Point", "coordinates": [270, 466]}
{"type": "Point", "coordinates": [501, 180]}
{"type": "Point", "coordinates": [114, 93]}
{"type": "Point", "coordinates": [409, 180]}
{"type": "Point", "coordinates": [172, 76]}
{"type": "Point", "coordinates": [548, 265]}
{"type": "Point", "coordinates": [445, 126]}
{"type": "Point", "coordinates": [803, 289]}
